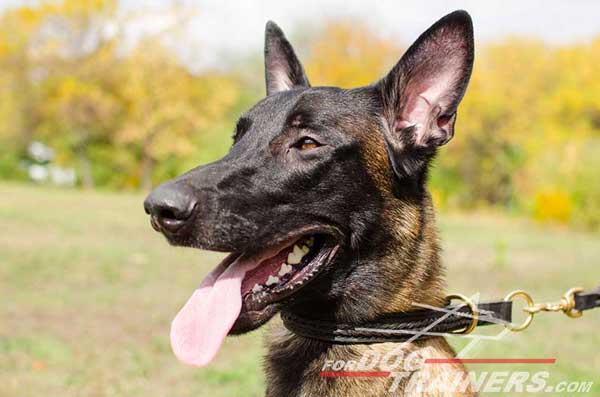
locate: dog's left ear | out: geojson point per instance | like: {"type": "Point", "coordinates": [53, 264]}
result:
{"type": "Point", "coordinates": [421, 93]}
{"type": "Point", "coordinates": [283, 70]}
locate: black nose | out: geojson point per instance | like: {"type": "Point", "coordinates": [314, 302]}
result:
{"type": "Point", "coordinates": [170, 206]}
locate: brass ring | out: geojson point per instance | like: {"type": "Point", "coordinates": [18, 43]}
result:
{"type": "Point", "coordinates": [530, 303]}
{"type": "Point", "coordinates": [569, 298]}
{"type": "Point", "coordinates": [474, 313]}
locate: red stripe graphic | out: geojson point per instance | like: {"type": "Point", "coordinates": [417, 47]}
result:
{"type": "Point", "coordinates": [490, 360]}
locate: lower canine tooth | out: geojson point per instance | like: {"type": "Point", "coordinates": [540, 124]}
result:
{"type": "Point", "coordinates": [257, 288]}
{"type": "Point", "coordinates": [272, 280]}
{"type": "Point", "coordinates": [285, 269]}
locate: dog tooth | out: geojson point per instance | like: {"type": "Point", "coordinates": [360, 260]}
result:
{"type": "Point", "coordinates": [310, 241]}
{"type": "Point", "coordinates": [285, 269]}
{"type": "Point", "coordinates": [295, 256]}
{"type": "Point", "coordinates": [257, 288]}
{"type": "Point", "coordinates": [305, 249]}
{"type": "Point", "coordinates": [272, 280]}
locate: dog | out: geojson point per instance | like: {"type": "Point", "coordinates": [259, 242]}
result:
{"type": "Point", "coordinates": [323, 206]}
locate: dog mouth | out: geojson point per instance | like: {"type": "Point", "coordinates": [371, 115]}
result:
{"type": "Point", "coordinates": [245, 290]}
{"type": "Point", "coordinates": [295, 265]}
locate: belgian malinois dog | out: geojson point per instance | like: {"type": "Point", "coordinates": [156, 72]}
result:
{"type": "Point", "coordinates": [323, 206]}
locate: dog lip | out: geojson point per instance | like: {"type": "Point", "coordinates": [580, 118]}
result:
{"type": "Point", "coordinates": [252, 319]}
{"type": "Point", "coordinates": [288, 239]}
{"type": "Point", "coordinates": [154, 224]}
{"type": "Point", "coordinates": [254, 315]}
{"type": "Point", "coordinates": [296, 234]}
{"type": "Point", "coordinates": [309, 273]}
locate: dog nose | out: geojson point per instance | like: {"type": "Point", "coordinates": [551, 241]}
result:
{"type": "Point", "coordinates": [170, 207]}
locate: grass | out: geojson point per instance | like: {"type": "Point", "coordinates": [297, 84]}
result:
{"type": "Point", "coordinates": [89, 291]}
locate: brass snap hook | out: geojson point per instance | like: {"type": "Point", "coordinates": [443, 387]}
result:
{"type": "Point", "coordinates": [569, 298]}
{"type": "Point", "coordinates": [565, 305]}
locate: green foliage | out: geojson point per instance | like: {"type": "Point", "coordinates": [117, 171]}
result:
{"type": "Point", "coordinates": [123, 118]}
{"type": "Point", "coordinates": [527, 130]}
{"type": "Point", "coordinates": [584, 187]}
{"type": "Point", "coordinates": [129, 116]}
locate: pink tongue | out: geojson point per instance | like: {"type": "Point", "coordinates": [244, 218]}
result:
{"type": "Point", "coordinates": [200, 327]}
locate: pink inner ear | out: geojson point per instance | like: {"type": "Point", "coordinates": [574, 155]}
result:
{"type": "Point", "coordinates": [279, 79]}
{"type": "Point", "coordinates": [423, 98]}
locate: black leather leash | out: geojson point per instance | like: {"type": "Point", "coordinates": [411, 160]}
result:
{"type": "Point", "coordinates": [450, 319]}
{"type": "Point", "coordinates": [587, 300]}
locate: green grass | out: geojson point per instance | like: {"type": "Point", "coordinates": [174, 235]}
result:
{"type": "Point", "coordinates": [88, 292]}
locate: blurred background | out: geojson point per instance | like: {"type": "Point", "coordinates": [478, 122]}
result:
{"type": "Point", "coordinates": [100, 100]}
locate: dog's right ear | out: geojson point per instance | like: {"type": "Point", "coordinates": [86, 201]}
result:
{"type": "Point", "coordinates": [283, 70]}
{"type": "Point", "coordinates": [421, 93]}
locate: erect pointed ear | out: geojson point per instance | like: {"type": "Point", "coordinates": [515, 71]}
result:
{"type": "Point", "coordinates": [283, 70]}
{"type": "Point", "coordinates": [421, 93]}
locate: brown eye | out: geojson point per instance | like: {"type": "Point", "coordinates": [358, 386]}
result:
{"type": "Point", "coordinates": [306, 144]}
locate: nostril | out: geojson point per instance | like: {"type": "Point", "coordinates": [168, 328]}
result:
{"type": "Point", "coordinates": [167, 213]}
{"type": "Point", "coordinates": [170, 212]}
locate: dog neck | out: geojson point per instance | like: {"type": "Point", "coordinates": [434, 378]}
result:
{"type": "Point", "coordinates": [391, 280]}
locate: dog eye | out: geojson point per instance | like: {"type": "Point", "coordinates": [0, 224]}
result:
{"type": "Point", "coordinates": [306, 143]}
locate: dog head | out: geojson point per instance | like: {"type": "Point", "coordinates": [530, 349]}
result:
{"type": "Point", "coordinates": [311, 178]}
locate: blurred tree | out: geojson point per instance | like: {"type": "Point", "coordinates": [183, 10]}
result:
{"type": "Point", "coordinates": [18, 91]}
{"type": "Point", "coordinates": [348, 54]}
{"type": "Point", "coordinates": [44, 58]}
{"type": "Point", "coordinates": [166, 106]}
{"type": "Point", "coordinates": [127, 112]}
{"type": "Point", "coordinates": [496, 121]}
{"type": "Point", "coordinates": [77, 114]}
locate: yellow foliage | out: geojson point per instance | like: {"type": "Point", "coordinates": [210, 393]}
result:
{"type": "Point", "coordinates": [166, 105]}
{"type": "Point", "coordinates": [439, 198]}
{"type": "Point", "coordinates": [348, 54]}
{"type": "Point", "coordinates": [80, 104]}
{"type": "Point", "coordinates": [530, 118]}
{"type": "Point", "coordinates": [552, 205]}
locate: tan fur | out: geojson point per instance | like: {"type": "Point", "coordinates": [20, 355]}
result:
{"type": "Point", "coordinates": [420, 286]}
{"type": "Point", "coordinates": [415, 275]}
